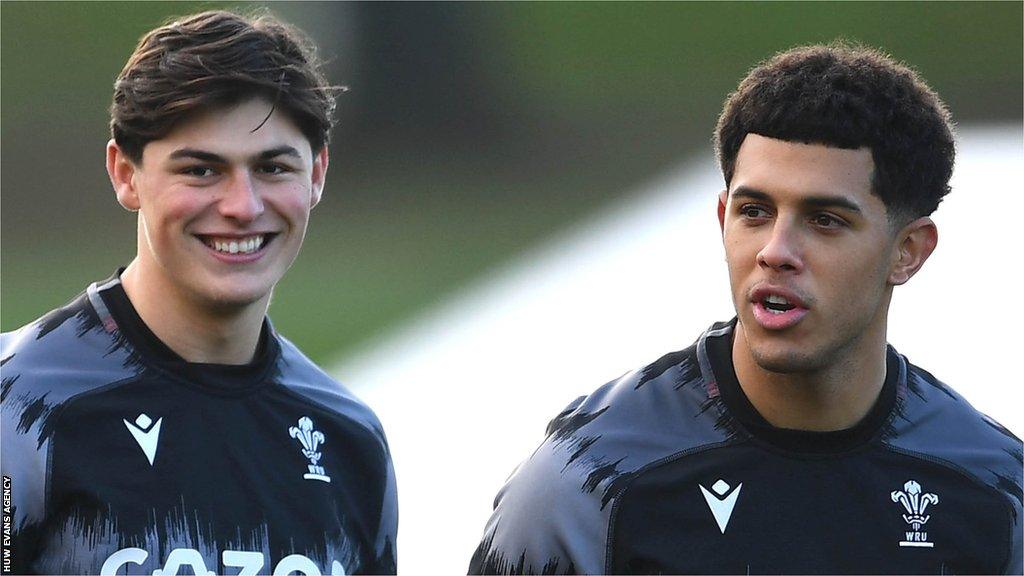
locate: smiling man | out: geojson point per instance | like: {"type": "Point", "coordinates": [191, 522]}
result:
{"type": "Point", "coordinates": [793, 438]}
{"type": "Point", "coordinates": [158, 424]}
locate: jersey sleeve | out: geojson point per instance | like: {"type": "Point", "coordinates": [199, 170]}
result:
{"type": "Point", "coordinates": [23, 464]}
{"type": "Point", "coordinates": [939, 424]}
{"type": "Point", "coordinates": [44, 364]}
{"type": "Point", "coordinates": [303, 377]}
{"type": "Point", "coordinates": [1016, 566]}
{"type": "Point", "coordinates": [545, 520]}
{"type": "Point", "coordinates": [387, 535]}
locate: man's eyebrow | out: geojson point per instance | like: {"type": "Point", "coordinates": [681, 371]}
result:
{"type": "Point", "coordinates": [817, 201]}
{"type": "Point", "coordinates": [280, 151]}
{"type": "Point", "coordinates": [753, 194]}
{"type": "Point", "coordinates": [827, 201]}
{"type": "Point", "coordinates": [183, 153]}
{"type": "Point", "coordinates": [192, 153]}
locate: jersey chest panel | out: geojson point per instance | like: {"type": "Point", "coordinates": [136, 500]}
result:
{"type": "Point", "coordinates": [161, 467]}
{"type": "Point", "coordinates": [747, 509]}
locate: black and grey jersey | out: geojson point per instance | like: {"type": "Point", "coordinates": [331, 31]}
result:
{"type": "Point", "coordinates": [122, 458]}
{"type": "Point", "coordinates": [670, 469]}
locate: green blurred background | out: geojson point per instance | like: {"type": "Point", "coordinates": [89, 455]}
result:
{"type": "Point", "coordinates": [471, 131]}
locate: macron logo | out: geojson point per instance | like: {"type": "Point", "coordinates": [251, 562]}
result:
{"type": "Point", "coordinates": [720, 504]}
{"type": "Point", "coordinates": [146, 433]}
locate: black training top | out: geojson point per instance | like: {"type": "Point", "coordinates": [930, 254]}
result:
{"type": "Point", "coordinates": [670, 469]}
{"type": "Point", "coordinates": [125, 458]}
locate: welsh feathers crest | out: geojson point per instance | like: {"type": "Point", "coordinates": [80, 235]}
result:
{"type": "Point", "coordinates": [311, 440]}
{"type": "Point", "coordinates": [915, 502]}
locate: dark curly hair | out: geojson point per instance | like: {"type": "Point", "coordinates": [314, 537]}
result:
{"type": "Point", "coordinates": [848, 96]}
{"type": "Point", "coordinates": [214, 59]}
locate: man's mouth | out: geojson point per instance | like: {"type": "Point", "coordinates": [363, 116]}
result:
{"type": "Point", "coordinates": [777, 308]}
{"type": "Point", "coordinates": [775, 304]}
{"type": "Point", "coordinates": [236, 245]}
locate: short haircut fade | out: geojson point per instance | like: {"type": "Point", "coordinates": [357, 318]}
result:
{"type": "Point", "coordinates": [214, 59]}
{"type": "Point", "coordinates": [848, 96]}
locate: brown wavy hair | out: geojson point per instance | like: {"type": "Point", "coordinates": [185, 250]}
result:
{"type": "Point", "coordinates": [214, 59]}
{"type": "Point", "coordinates": [848, 96]}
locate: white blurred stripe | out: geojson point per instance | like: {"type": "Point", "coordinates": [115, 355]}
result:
{"type": "Point", "coordinates": [466, 390]}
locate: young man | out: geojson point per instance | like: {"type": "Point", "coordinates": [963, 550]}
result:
{"type": "Point", "coordinates": [157, 424]}
{"type": "Point", "coordinates": [790, 439]}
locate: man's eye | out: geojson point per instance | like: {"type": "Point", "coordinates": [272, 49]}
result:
{"type": "Point", "coordinates": [827, 221]}
{"type": "Point", "coordinates": [753, 211]}
{"type": "Point", "coordinates": [273, 169]}
{"type": "Point", "coordinates": [198, 171]}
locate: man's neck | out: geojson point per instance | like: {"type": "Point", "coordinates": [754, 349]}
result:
{"type": "Point", "coordinates": [195, 332]}
{"type": "Point", "coordinates": [835, 397]}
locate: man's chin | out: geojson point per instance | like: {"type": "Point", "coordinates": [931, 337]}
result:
{"type": "Point", "coordinates": [786, 361]}
{"type": "Point", "coordinates": [233, 300]}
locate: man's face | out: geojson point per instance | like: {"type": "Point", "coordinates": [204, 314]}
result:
{"type": "Point", "coordinates": [810, 252]}
{"type": "Point", "coordinates": [223, 206]}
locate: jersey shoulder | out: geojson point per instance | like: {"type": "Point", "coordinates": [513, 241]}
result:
{"type": "Point", "coordinates": [61, 355]}
{"type": "Point", "coordinates": [301, 376]}
{"type": "Point", "coordinates": [933, 420]}
{"type": "Point", "coordinates": [553, 514]}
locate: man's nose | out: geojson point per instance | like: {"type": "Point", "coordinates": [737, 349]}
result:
{"type": "Point", "coordinates": [241, 200]}
{"type": "Point", "coordinates": [782, 251]}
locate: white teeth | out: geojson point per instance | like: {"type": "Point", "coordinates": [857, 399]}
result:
{"type": "Point", "coordinates": [243, 246]}
{"type": "Point", "coordinates": [773, 299]}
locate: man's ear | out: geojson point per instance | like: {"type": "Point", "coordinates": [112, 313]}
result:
{"type": "Point", "coordinates": [723, 198]}
{"type": "Point", "coordinates": [915, 243]}
{"type": "Point", "coordinates": [319, 176]}
{"type": "Point", "coordinates": [122, 172]}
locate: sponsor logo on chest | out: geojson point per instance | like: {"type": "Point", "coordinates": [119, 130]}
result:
{"type": "Point", "coordinates": [250, 563]}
